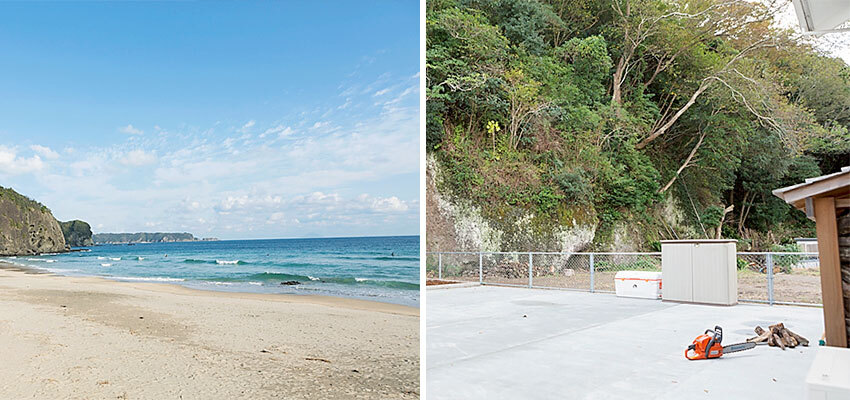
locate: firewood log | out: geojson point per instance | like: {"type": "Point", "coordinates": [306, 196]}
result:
{"type": "Point", "coordinates": [777, 326]}
{"type": "Point", "coordinates": [762, 335]}
{"type": "Point", "coordinates": [778, 341]}
{"type": "Point", "coordinates": [800, 340]}
{"type": "Point", "coordinates": [784, 337]}
{"type": "Point", "coordinates": [792, 343]}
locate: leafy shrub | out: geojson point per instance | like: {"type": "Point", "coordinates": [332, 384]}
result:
{"type": "Point", "coordinates": [574, 184]}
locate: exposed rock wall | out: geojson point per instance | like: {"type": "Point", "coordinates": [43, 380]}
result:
{"type": "Point", "coordinates": [457, 224]}
{"type": "Point", "coordinates": [77, 233]}
{"type": "Point", "coordinates": [27, 227]}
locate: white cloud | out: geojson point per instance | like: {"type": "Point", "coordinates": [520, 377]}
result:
{"type": "Point", "coordinates": [381, 92]}
{"type": "Point", "coordinates": [389, 204]}
{"type": "Point", "coordinates": [280, 130]}
{"type": "Point", "coordinates": [247, 126]}
{"type": "Point", "coordinates": [11, 164]}
{"type": "Point", "coordinates": [45, 151]}
{"type": "Point", "coordinates": [276, 217]}
{"type": "Point", "coordinates": [232, 203]}
{"type": "Point", "coordinates": [129, 129]}
{"type": "Point", "coordinates": [305, 185]}
{"type": "Point", "coordinates": [137, 158]}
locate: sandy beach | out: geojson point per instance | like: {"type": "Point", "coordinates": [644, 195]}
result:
{"type": "Point", "coordinates": [92, 338]}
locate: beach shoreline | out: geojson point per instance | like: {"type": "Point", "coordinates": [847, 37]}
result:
{"type": "Point", "coordinates": [357, 268]}
{"type": "Point", "coordinates": [92, 337]}
{"type": "Point", "coordinates": [166, 287]}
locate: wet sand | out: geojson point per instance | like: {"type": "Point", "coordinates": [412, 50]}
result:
{"type": "Point", "coordinates": [85, 337]}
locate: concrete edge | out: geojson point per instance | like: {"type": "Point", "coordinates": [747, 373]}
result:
{"type": "Point", "coordinates": [453, 286]}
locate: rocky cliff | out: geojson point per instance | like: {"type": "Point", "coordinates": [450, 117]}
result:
{"type": "Point", "coordinates": [456, 224]}
{"type": "Point", "coordinates": [27, 227]}
{"type": "Point", "coordinates": [77, 233]}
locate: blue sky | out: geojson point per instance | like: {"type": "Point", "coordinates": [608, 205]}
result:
{"type": "Point", "coordinates": [235, 120]}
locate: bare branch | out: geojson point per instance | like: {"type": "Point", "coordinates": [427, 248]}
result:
{"type": "Point", "coordinates": [685, 164]}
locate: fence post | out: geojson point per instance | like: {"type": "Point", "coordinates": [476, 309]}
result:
{"type": "Point", "coordinates": [530, 270]}
{"type": "Point", "coordinates": [768, 261]}
{"type": "Point", "coordinates": [440, 266]}
{"type": "Point", "coordinates": [480, 268]}
{"type": "Point", "coordinates": [592, 268]}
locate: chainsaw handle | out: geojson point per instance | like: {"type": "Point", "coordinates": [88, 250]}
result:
{"type": "Point", "coordinates": [692, 355]}
{"type": "Point", "coordinates": [708, 348]}
{"type": "Point", "coordinates": [716, 337]}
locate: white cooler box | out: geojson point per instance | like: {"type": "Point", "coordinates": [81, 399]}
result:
{"type": "Point", "coordinates": [829, 375]}
{"type": "Point", "coordinates": [641, 284]}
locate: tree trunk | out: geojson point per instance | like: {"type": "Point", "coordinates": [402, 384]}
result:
{"type": "Point", "coordinates": [684, 164]}
{"type": "Point", "coordinates": [727, 210]}
{"type": "Point", "coordinates": [666, 126]}
{"type": "Point", "coordinates": [616, 85]}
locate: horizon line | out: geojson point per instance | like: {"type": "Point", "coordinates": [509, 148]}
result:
{"type": "Point", "coordinates": [282, 238]}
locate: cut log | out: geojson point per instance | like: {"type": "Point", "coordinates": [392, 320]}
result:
{"type": "Point", "coordinates": [784, 337]}
{"type": "Point", "coordinates": [778, 335]}
{"type": "Point", "coordinates": [778, 341]}
{"type": "Point", "coordinates": [762, 335]}
{"type": "Point", "coordinates": [800, 340]}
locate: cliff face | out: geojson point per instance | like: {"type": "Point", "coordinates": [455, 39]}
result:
{"type": "Point", "coordinates": [455, 224]}
{"type": "Point", "coordinates": [27, 227]}
{"type": "Point", "coordinates": [77, 233]}
{"type": "Point", "coordinates": [459, 224]}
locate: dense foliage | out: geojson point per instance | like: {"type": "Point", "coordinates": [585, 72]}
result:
{"type": "Point", "coordinates": [143, 237]}
{"type": "Point", "coordinates": [23, 202]}
{"type": "Point", "coordinates": [77, 233]}
{"type": "Point", "coordinates": [621, 106]}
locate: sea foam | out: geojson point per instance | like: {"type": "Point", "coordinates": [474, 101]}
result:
{"type": "Point", "coordinates": [149, 279]}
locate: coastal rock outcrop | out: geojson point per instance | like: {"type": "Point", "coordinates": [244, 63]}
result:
{"type": "Point", "coordinates": [143, 237]}
{"type": "Point", "coordinates": [27, 227]}
{"type": "Point", "coordinates": [456, 224]}
{"type": "Point", "coordinates": [77, 233]}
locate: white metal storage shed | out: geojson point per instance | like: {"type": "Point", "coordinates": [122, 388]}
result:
{"type": "Point", "coordinates": [699, 271]}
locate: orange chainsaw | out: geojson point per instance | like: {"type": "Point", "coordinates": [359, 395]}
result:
{"type": "Point", "coordinates": [708, 345]}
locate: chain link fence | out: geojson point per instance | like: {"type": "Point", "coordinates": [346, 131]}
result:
{"type": "Point", "coordinates": [779, 278]}
{"type": "Point", "coordinates": [772, 278]}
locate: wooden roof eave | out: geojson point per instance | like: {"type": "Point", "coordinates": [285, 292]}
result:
{"type": "Point", "coordinates": [833, 185]}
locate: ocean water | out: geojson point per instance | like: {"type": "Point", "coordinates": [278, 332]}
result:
{"type": "Point", "coordinates": [372, 268]}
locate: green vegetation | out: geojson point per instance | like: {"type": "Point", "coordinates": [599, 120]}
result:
{"type": "Point", "coordinates": [27, 226]}
{"type": "Point", "coordinates": [21, 201]}
{"type": "Point", "coordinates": [143, 237]}
{"type": "Point", "coordinates": [640, 263]}
{"type": "Point", "coordinates": [620, 106]}
{"type": "Point", "coordinates": [77, 233]}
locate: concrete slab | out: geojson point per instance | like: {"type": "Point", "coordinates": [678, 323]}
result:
{"type": "Point", "coordinates": [512, 343]}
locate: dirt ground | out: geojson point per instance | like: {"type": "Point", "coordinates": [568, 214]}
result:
{"type": "Point", "coordinates": [800, 286]}
{"type": "Point", "coordinates": [436, 282]}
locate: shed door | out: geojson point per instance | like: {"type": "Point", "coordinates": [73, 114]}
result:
{"type": "Point", "coordinates": [677, 275]}
{"type": "Point", "coordinates": [711, 276]}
